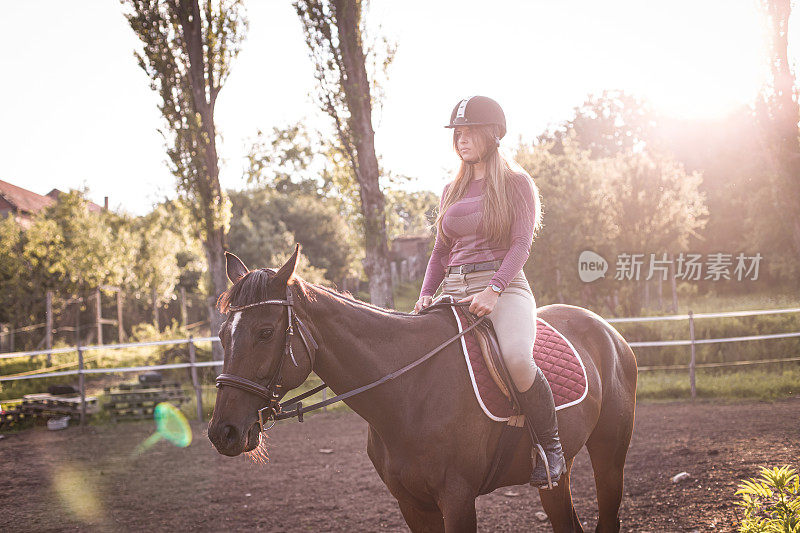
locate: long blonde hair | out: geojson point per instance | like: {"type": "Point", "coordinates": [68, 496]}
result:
{"type": "Point", "coordinates": [500, 204]}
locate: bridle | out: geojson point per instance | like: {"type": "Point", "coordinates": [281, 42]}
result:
{"type": "Point", "coordinates": [275, 410]}
{"type": "Point", "coordinates": [271, 392]}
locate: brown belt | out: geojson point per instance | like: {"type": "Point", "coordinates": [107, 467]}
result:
{"type": "Point", "coordinates": [474, 267]}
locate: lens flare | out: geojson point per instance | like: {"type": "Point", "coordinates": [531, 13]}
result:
{"type": "Point", "coordinates": [171, 426]}
{"type": "Point", "coordinates": [78, 492]}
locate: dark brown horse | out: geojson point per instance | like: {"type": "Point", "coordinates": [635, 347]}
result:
{"type": "Point", "coordinates": [428, 438]}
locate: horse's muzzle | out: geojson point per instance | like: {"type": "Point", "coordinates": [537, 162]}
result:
{"type": "Point", "coordinates": [228, 440]}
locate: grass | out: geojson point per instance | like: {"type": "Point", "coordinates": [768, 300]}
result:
{"type": "Point", "coordinates": [775, 383]}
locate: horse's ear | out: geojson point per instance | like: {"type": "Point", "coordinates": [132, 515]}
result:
{"type": "Point", "coordinates": [235, 267]}
{"type": "Point", "coordinates": [287, 270]}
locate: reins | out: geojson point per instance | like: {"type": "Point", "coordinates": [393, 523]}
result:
{"type": "Point", "coordinates": [276, 410]}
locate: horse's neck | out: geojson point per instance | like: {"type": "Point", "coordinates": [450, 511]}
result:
{"type": "Point", "coordinates": [360, 344]}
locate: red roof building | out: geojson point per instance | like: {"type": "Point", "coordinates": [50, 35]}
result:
{"type": "Point", "coordinates": [22, 204]}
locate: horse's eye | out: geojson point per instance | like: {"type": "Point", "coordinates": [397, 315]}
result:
{"type": "Point", "coordinates": [265, 334]}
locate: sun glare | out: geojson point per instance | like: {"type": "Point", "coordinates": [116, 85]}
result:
{"type": "Point", "coordinates": [712, 64]}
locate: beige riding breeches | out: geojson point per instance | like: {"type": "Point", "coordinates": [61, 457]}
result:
{"type": "Point", "coordinates": [513, 318]}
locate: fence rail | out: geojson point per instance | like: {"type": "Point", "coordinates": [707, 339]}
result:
{"type": "Point", "coordinates": [191, 341]}
{"type": "Point", "coordinates": [725, 314]}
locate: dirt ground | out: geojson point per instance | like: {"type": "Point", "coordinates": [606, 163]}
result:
{"type": "Point", "coordinates": [87, 479]}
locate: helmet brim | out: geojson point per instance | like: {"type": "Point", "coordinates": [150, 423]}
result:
{"type": "Point", "coordinates": [449, 126]}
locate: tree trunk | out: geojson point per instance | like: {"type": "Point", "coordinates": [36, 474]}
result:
{"type": "Point", "coordinates": [357, 95]}
{"type": "Point", "coordinates": [673, 284]}
{"type": "Point", "coordinates": [785, 112]}
{"type": "Point", "coordinates": [660, 292]}
{"type": "Point", "coordinates": [210, 193]}
{"type": "Point", "coordinates": [215, 255]}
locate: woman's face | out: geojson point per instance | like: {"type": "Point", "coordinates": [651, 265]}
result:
{"type": "Point", "coordinates": [468, 143]}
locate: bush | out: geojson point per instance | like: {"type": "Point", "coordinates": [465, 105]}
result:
{"type": "Point", "coordinates": [771, 503]}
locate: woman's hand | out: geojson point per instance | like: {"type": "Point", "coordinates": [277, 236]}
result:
{"type": "Point", "coordinates": [482, 303]}
{"type": "Point", "coordinates": [422, 303]}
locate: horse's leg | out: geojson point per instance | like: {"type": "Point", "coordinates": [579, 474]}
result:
{"type": "Point", "coordinates": [557, 504]}
{"type": "Point", "coordinates": [422, 520]}
{"type": "Point", "coordinates": [607, 453]}
{"type": "Point", "coordinates": [459, 513]}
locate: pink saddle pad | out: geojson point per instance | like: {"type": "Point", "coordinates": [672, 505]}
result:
{"type": "Point", "coordinates": [555, 355]}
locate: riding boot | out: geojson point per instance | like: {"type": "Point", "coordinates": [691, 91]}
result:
{"type": "Point", "coordinates": [540, 412]}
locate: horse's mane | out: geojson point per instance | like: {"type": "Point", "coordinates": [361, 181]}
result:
{"type": "Point", "coordinates": [254, 287]}
{"type": "Point", "coordinates": [349, 298]}
{"type": "Point", "coordinates": [251, 288]}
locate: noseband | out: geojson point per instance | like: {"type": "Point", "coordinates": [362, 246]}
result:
{"type": "Point", "coordinates": [272, 393]}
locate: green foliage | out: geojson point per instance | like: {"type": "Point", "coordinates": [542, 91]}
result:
{"type": "Point", "coordinates": [607, 125]}
{"type": "Point", "coordinates": [771, 503]}
{"type": "Point", "coordinates": [574, 216]}
{"type": "Point", "coordinates": [290, 159]}
{"type": "Point", "coordinates": [67, 248]}
{"type": "Point", "coordinates": [321, 21]}
{"type": "Point", "coordinates": [410, 212]}
{"type": "Point", "coordinates": [187, 53]}
{"type": "Point", "coordinates": [266, 224]}
{"type": "Point", "coordinates": [72, 250]}
{"type": "Point", "coordinates": [304, 192]}
{"type": "Point", "coordinates": [629, 201]}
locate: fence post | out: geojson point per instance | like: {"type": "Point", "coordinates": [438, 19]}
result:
{"type": "Point", "coordinates": [98, 315]}
{"type": "Point", "coordinates": [184, 314]}
{"type": "Point", "coordinates": [693, 360]}
{"type": "Point", "coordinates": [325, 397]}
{"type": "Point", "coordinates": [120, 327]}
{"type": "Point", "coordinates": [155, 309]}
{"type": "Point", "coordinates": [81, 384]}
{"type": "Point", "coordinates": [48, 334]}
{"type": "Point", "coordinates": [198, 391]}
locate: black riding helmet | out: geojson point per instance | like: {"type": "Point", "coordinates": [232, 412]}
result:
{"type": "Point", "coordinates": [478, 111]}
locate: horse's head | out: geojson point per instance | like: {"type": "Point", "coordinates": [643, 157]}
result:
{"type": "Point", "coordinates": [258, 368]}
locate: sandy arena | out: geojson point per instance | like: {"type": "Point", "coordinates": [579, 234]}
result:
{"type": "Point", "coordinates": [88, 479]}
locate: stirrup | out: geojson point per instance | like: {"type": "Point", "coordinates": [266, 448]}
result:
{"type": "Point", "coordinates": [550, 483]}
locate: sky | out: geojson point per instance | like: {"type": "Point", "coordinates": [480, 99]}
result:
{"type": "Point", "coordinates": [78, 111]}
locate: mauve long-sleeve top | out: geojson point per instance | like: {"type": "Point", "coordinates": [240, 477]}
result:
{"type": "Point", "coordinates": [464, 240]}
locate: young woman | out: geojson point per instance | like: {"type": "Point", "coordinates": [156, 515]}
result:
{"type": "Point", "coordinates": [488, 216]}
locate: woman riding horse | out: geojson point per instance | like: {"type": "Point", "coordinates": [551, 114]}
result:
{"type": "Point", "coordinates": [488, 216]}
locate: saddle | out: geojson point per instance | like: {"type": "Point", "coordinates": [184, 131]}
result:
{"type": "Point", "coordinates": [494, 388]}
{"type": "Point", "coordinates": [486, 344]}
{"type": "Point", "coordinates": [491, 381]}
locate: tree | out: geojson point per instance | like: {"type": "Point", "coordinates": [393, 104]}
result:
{"type": "Point", "coordinates": [778, 113]}
{"type": "Point", "coordinates": [187, 54]}
{"type": "Point", "coordinates": [410, 212]}
{"type": "Point", "coordinates": [574, 217]}
{"type": "Point", "coordinates": [614, 122]}
{"type": "Point", "coordinates": [633, 202]}
{"type": "Point", "coordinates": [67, 249]}
{"type": "Point", "coordinates": [306, 198]}
{"type": "Point", "coordinates": [335, 36]}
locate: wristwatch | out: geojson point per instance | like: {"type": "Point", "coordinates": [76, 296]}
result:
{"type": "Point", "coordinates": [496, 289]}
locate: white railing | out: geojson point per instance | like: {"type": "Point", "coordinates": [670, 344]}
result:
{"type": "Point", "coordinates": [193, 364]}
{"type": "Point", "coordinates": [692, 342]}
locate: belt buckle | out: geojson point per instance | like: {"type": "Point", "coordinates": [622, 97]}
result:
{"type": "Point", "coordinates": [466, 269]}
